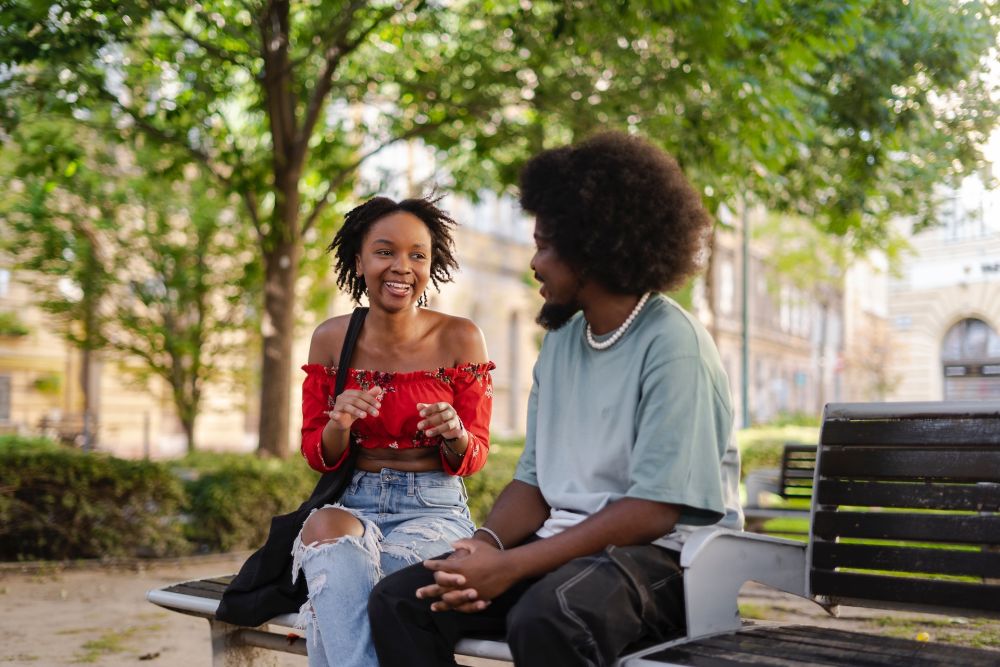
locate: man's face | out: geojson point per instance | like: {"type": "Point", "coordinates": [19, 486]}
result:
{"type": "Point", "coordinates": [560, 284]}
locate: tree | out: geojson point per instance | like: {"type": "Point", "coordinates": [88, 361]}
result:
{"type": "Point", "coordinates": [266, 96]}
{"type": "Point", "coordinates": [152, 271]}
{"type": "Point", "coordinates": [281, 102]}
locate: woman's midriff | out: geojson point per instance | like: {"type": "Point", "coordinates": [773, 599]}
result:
{"type": "Point", "coordinates": [421, 459]}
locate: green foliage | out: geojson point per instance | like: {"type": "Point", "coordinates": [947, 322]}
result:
{"type": "Point", "coordinates": [159, 269]}
{"type": "Point", "coordinates": [60, 503]}
{"type": "Point", "coordinates": [486, 485]}
{"type": "Point", "coordinates": [14, 444]}
{"type": "Point", "coordinates": [845, 112]}
{"type": "Point", "coordinates": [761, 446]}
{"type": "Point", "coordinates": [231, 498]}
{"type": "Point", "coordinates": [12, 326]}
{"type": "Point", "coordinates": [50, 384]}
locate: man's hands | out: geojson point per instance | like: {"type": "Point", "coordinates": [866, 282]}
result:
{"type": "Point", "coordinates": [469, 579]}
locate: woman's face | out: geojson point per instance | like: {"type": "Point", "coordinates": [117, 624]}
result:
{"type": "Point", "coordinates": [395, 260]}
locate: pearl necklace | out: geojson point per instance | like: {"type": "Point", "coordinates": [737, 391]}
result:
{"type": "Point", "coordinates": [620, 331]}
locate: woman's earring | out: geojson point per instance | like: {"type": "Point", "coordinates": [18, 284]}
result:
{"type": "Point", "coordinates": [422, 301]}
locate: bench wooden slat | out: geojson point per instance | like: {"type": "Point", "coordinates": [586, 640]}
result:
{"type": "Point", "coordinates": [982, 497]}
{"type": "Point", "coordinates": [954, 432]}
{"type": "Point", "coordinates": [203, 589]}
{"type": "Point", "coordinates": [958, 596]}
{"type": "Point", "coordinates": [831, 555]}
{"type": "Point", "coordinates": [790, 646]}
{"type": "Point", "coordinates": [958, 464]}
{"type": "Point", "coordinates": [947, 528]}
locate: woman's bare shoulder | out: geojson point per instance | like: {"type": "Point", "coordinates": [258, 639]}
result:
{"type": "Point", "coordinates": [327, 340]}
{"type": "Point", "coordinates": [464, 339]}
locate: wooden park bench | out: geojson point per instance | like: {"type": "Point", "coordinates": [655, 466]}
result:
{"type": "Point", "coordinates": [905, 515]}
{"type": "Point", "coordinates": [793, 481]}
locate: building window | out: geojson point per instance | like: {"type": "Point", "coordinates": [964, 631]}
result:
{"type": "Point", "coordinates": [970, 359]}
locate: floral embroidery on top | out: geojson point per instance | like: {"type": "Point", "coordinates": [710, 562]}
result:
{"type": "Point", "coordinates": [368, 379]}
{"type": "Point", "coordinates": [477, 371]}
{"type": "Point", "coordinates": [440, 374]}
{"type": "Point", "coordinates": [421, 439]}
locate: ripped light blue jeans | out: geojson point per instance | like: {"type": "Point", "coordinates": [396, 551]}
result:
{"type": "Point", "coordinates": [407, 517]}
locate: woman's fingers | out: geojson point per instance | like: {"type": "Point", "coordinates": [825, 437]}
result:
{"type": "Point", "coordinates": [435, 415]}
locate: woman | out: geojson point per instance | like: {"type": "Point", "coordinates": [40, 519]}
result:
{"type": "Point", "coordinates": [416, 410]}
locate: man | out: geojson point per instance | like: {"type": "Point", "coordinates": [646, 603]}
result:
{"type": "Point", "coordinates": [628, 443]}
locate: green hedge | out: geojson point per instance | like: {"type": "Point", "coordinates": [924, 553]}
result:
{"type": "Point", "coordinates": [487, 484]}
{"type": "Point", "coordinates": [59, 503]}
{"type": "Point", "coordinates": [760, 446]}
{"type": "Point", "coordinates": [231, 497]}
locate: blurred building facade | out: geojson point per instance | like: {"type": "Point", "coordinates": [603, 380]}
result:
{"type": "Point", "coordinates": [944, 306]}
{"type": "Point", "coordinates": [795, 328]}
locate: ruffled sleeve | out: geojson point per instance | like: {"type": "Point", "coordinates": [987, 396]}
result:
{"type": "Point", "coordinates": [316, 391]}
{"type": "Point", "coordinates": [473, 401]}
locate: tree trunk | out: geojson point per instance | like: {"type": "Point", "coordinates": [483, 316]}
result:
{"type": "Point", "coordinates": [281, 271]}
{"type": "Point", "coordinates": [281, 242]}
{"type": "Point", "coordinates": [187, 423]}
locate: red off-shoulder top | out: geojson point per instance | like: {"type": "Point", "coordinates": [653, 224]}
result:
{"type": "Point", "coordinates": [468, 388]}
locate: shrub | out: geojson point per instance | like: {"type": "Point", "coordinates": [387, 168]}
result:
{"type": "Point", "coordinates": [232, 497]}
{"type": "Point", "coordinates": [760, 446]}
{"type": "Point", "coordinates": [26, 444]}
{"type": "Point", "coordinates": [58, 503]}
{"type": "Point", "coordinates": [486, 485]}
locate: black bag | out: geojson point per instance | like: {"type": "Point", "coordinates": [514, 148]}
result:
{"type": "Point", "coordinates": [263, 587]}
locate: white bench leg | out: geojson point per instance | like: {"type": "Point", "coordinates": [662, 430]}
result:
{"type": "Point", "coordinates": [229, 651]}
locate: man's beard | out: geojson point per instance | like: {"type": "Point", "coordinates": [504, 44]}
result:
{"type": "Point", "coordinates": [553, 316]}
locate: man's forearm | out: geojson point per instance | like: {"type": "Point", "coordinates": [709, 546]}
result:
{"type": "Point", "coordinates": [517, 513]}
{"type": "Point", "coordinates": [625, 522]}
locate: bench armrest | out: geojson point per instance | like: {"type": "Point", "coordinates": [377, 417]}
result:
{"type": "Point", "coordinates": [718, 561]}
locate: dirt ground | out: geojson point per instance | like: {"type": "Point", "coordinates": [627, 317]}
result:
{"type": "Point", "coordinates": [97, 615]}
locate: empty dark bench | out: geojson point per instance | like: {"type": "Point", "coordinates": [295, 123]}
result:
{"type": "Point", "coordinates": [793, 481]}
{"type": "Point", "coordinates": [906, 515]}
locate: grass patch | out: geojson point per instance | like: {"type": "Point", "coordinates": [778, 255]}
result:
{"type": "Point", "coordinates": [115, 641]}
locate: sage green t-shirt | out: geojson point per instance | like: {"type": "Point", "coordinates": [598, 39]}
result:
{"type": "Point", "coordinates": [650, 417]}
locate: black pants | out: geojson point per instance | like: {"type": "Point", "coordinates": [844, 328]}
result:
{"type": "Point", "coordinates": [587, 612]}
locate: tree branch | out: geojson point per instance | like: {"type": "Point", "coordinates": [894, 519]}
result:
{"type": "Point", "coordinates": [344, 173]}
{"type": "Point", "coordinates": [222, 54]}
{"type": "Point", "coordinates": [325, 79]}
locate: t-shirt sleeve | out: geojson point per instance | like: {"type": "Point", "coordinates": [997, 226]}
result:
{"type": "Point", "coordinates": [316, 391]}
{"type": "Point", "coordinates": [680, 423]}
{"type": "Point", "coordinates": [526, 471]}
{"type": "Point", "coordinates": [473, 401]}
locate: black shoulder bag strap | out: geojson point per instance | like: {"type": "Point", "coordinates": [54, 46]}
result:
{"type": "Point", "coordinates": [263, 587]}
{"type": "Point", "coordinates": [347, 349]}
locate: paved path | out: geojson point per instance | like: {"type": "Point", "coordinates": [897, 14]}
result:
{"type": "Point", "coordinates": [51, 617]}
